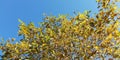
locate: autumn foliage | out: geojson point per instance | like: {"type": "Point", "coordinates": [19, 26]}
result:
{"type": "Point", "coordinates": [64, 38]}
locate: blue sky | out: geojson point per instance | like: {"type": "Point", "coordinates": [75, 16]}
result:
{"type": "Point", "coordinates": [32, 10]}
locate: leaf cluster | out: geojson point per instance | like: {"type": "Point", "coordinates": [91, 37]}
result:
{"type": "Point", "coordinates": [63, 37]}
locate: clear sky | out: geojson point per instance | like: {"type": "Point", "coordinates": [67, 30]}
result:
{"type": "Point", "coordinates": [32, 10]}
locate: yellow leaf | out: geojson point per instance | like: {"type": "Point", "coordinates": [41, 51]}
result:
{"type": "Point", "coordinates": [44, 45]}
{"type": "Point", "coordinates": [82, 23]}
{"type": "Point", "coordinates": [17, 51]}
{"type": "Point", "coordinates": [97, 0]}
{"type": "Point", "coordinates": [53, 51]}
{"type": "Point", "coordinates": [82, 16]}
{"type": "Point", "coordinates": [24, 44]}
{"type": "Point", "coordinates": [109, 37]}
{"type": "Point", "coordinates": [96, 47]}
{"type": "Point", "coordinates": [115, 7]}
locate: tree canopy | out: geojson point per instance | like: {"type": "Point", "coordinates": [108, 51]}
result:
{"type": "Point", "coordinates": [82, 37]}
